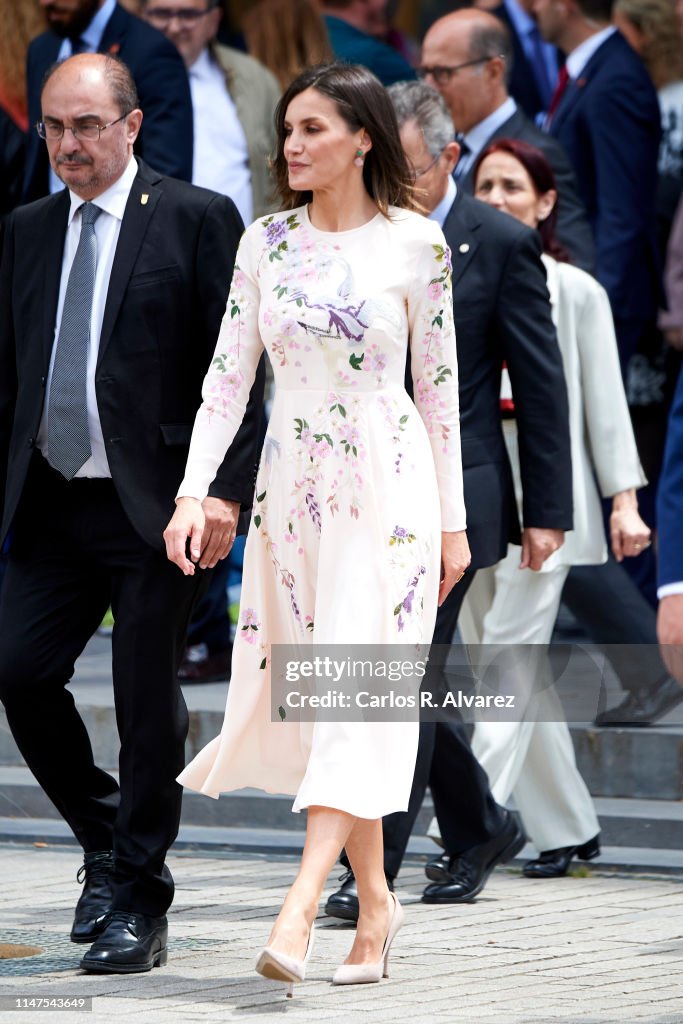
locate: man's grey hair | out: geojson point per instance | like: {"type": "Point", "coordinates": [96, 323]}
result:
{"type": "Point", "coordinates": [487, 41]}
{"type": "Point", "coordinates": [418, 102]}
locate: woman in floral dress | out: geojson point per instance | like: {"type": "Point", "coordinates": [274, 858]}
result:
{"type": "Point", "coordinates": [358, 523]}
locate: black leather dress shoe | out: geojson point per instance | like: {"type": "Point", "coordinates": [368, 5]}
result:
{"type": "Point", "coordinates": [437, 869]}
{"type": "Point", "coordinates": [129, 944]}
{"type": "Point", "coordinates": [198, 666]}
{"type": "Point", "coordinates": [468, 872]}
{"type": "Point", "coordinates": [554, 863]}
{"type": "Point", "coordinates": [344, 902]}
{"type": "Point", "coordinates": [645, 707]}
{"type": "Point", "coordinates": [95, 900]}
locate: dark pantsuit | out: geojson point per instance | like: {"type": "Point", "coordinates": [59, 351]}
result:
{"type": "Point", "coordinates": [74, 551]}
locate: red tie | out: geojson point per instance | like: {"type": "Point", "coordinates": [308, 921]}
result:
{"type": "Point", "coordinates": [562, 82]}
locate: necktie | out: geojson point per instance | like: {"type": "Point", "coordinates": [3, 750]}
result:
{"type": "Point", "coordinates": [463, 159]}
{"type": "Point", "coordinates": [539, 66]}
{"type": "Point", "coordinates": [68, 436]}
{"type": "Point", "coordinates": [562, 83]}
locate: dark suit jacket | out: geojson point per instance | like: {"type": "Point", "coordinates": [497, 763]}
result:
{"type": "Point", "coordinates": [522, 83]}
{"type": "Point", "coordinates": [166, 298]}
{"type": "Point", "coordinates": [12, 156]}
{"type": "Point", "coordinates": [670, 497]}
{"type": "Point", "coordinates": [165, 141]}
{"type": "Point", "coordinates": [608, 123]}
{"type": "Point", "coordinates": [573, 229]}
{"type": "Point", "coordinates": [502, 313]}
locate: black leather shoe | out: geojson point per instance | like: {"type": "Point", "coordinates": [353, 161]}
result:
{"type": "Point", "coordinates": [554, 863]}
{"type": "Point", "coordinates": [130, 943]}
{"type": "Point", "coordinates": [344, 902]}
{"type": "Point", "coordinates": [437, 869]}
{"type": "Point", "coordinates": [469, 871]}
{"type": "Point", "coordinates": [198, 666]}
{"type": "Point", "coordinates": [95, 900]}
{"type": "Point", "coordinates": [645, 707]}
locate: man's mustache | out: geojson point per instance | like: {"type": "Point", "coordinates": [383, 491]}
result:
{"type": "Point", "coordinates": [75, 159]}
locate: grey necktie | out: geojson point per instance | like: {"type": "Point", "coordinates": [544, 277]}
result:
{"type": "Point", "coordinates": [68, 436]}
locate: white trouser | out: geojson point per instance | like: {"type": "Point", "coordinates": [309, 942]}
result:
{"type": "Point", "coordinates": [531, 759]}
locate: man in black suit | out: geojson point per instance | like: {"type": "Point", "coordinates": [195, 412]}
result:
{"type": "Point", "coordinates": [502, 313]}
{"type": "Point", "coordinates": [103, 26]}
{"type": "Point", "coordinates": [111, 297]}
{"type": "Point", "coordinates": [466, 56]}
{"type": "Point", "coordinates": [609, 124]}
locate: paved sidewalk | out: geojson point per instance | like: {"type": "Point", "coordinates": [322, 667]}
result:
{"type": "Point", "coordinates": [598, 949]}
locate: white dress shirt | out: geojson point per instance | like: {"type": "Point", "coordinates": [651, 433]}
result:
{"type": "Point", "coordinates": [578, 58]}
{"type": "Point", "coordinates": [107, 228]}
{"type": "Point", "coordinates": [441, 211]}
{"type": "Point", "coordinates": [90, 42]}
{"type": "Point", "coordinates": [478, 136]}
{"type": "Point", "coordinates": [221, 157]}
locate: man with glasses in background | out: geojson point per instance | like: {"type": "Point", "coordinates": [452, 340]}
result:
{"type": "Point", "coordinates": [233, 104]}
{"type": "Point", "coordinates": [111, 297]}
{"type": "Point", "coordinates": [467, 57]}
{"type": "Point", "coordinates": [103, 26]}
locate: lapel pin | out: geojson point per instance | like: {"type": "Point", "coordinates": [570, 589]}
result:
{"type": "Point", "coordinates": [114, 48]}
{"type": "Point", "coordinates": [464, 247]}
{"type": "Point", "coordinates": [144, 198]}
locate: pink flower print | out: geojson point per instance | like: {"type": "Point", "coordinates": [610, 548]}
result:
{"type": "Point", "coordinates": [322, 448]}
{"type": "Point", "coordinates": [249, 625]}
{"type": "Point", "coordinates": [435, 291]}
{"type": "Point", "coordinates": [350, 439]}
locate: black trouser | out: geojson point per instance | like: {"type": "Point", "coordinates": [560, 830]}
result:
{"type": "Point", "coordinates": [465, 808]}
{"type": "Point", "coordinates": [614, 613]}
{"type": "Point", "coordinates": [74, 552]}
{"type": "Point", "coordinates": [210, 623]}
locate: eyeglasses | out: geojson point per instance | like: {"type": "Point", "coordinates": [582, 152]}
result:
{"type": "Point", "coordinates": [187, 16]}
{"type": "Point", "coordinates": [442, 74]}
{"type": "Point", "coordinates": [91, 130]}
{"type": "Point", "coordinates": [420, 174]}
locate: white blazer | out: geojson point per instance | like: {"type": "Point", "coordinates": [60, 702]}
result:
{"type": "Point", "coordinates": [602, 441]}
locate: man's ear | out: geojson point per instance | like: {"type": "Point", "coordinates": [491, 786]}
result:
{"type": "Point", "coordinates": [451, 155]}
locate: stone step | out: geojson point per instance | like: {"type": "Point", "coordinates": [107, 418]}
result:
{"type": "Point", "coordinates": [630, 763]}
{"type": "Point", "coordinates": [54, 832]}
{"type": "Point", "coordinates": [629, 823]}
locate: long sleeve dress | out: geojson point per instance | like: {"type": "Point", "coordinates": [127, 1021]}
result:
{"type": "Point", "coordinates": [354, 487]}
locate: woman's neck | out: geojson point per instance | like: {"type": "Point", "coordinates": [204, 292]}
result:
{"type": "Point", "coordinates": [341, 208]}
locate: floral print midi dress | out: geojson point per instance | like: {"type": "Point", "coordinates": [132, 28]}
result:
{"type": "Point", "coordinates": [354, 486]}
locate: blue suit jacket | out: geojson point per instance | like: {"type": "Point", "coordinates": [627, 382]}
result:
{"type": "Point", "coordinates": [608, 123]}
{"type": "Point", "coordinates": [522, 84]}
{"type": "Point", "coordinates": [670, 497]}
{"type": "Point", "coordinates": [165, 141]}
{"type": "Point", "coordinates": [355, 47]}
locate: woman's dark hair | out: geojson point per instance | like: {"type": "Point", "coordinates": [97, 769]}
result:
{"type": "Point", "coordinates": [362, 101]}
{"type": "Point", "coordinates": [542, 176]}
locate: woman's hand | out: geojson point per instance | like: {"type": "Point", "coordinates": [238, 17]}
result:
{"type": "Point", "coordinates": [628, 533]}
{"type": "Point", "coordinates": [455, 558]}
{"type": "Point", "coordinates": [187, 521]}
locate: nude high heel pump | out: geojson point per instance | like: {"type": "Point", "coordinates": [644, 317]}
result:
{"type": "Point", "coordinates": [280, 967]}
{"type": "Point", "coordinates": [362, 974]}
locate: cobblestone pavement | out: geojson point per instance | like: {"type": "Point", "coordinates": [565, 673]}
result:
{"type": "Point", "coordinates": [595, 949]}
